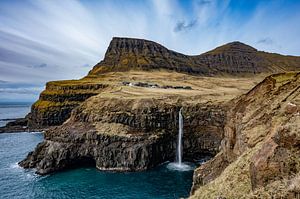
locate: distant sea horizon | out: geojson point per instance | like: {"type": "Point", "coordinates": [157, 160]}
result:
{"type": "Point", "coordinates": [16, 103]}
{"type": "Point", "coordinates": [10, 111]}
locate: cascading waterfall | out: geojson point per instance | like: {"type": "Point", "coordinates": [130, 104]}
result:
{"type": "Point", "coordinates": [178, 164]}
{"type": "Point", "coordinates": [179, 142]}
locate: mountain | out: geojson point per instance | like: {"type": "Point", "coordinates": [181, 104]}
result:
{"type": "Point", "coordinates": [123, 55]}
{"type": "Point", "coordinates": [234, 58]}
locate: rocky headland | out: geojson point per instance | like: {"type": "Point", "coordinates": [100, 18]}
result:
{"type": "Point", "coordinates": [123, 116]}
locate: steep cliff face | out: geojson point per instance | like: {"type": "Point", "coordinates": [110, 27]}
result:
{"type": "Point", "coordinates": [234, 58]}
{"type": "Point", "coordinates": [126, 54]}
{"type": "Point", "coordinates": [260, 156]}
{"type": "Point", "coordinates": [58, 100]}
{"type": "Point", "coordinates": [128, 134]}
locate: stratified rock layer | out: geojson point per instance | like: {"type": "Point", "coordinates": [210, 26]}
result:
{"type": "Point", "coordinates": [234, 58]}
{"type": "Point", "coordinates": [127, 135]}
{"type": "Point", "coordinates": [58, 100]}
{"type": "Point", "coordinates": [260, 156]}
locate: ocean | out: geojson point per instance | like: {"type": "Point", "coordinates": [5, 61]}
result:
{"type": "Point", "coordinates": [10, 111]}
{"type": "Point", "coordinates": [18, 183]}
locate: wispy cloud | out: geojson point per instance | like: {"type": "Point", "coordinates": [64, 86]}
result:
{"type": "Point", "coordinates": [42, 65]}
{"type": "Point", "coordinates": [204, 2]}
{"type": "Point", "coordinates": [19, 91]}
{"type": "Point", "coordinates": [86, 65]}
{"type": "Point", "coordinates": [3, 82]}
{"type": "Point", "coordinates": [184, 26]}
{"type": "Point", "coordinates": [50, 40]}
{"type": "Point", "coordinates": [267, 41]}
{"type": "Point", "coordinates": [25, 91]}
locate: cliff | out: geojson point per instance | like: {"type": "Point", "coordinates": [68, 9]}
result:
{"type": "Point", "coordinates": [234, 58]}
{"type": "Point", "coordinates": [125, 54]}
{"type": "Point", "coordinates": [127, 127]}
{"type": "Point", "coordinates": [128, 134]}
{"type": "Point", "coordinates": [260, 154]}
{"type": "Point", "coordinates": [58, 100]}
{"type": "Point", "coordinates": [132, 123]}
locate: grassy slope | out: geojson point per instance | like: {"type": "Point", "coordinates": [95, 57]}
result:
{"type": "Point", "coordinates": [235, 180]}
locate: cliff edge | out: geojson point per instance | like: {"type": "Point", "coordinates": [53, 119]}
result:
{"type": "Point", "coordinates": [260, 154]}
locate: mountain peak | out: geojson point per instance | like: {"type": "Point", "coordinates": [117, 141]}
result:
{"type": "Point", "coordinates": [129, 39]}
{"type": "Point", "coordinates": [233, 47]}
{"type": "Point", "coordinates": [125, 54]}
{"type": "Point", "coordinates": [240, 45]}
{"type": "Point", "coordinates": [120, 45]}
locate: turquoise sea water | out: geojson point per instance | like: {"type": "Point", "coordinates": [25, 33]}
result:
{"type": "Point", "coordinates": [15, 182]}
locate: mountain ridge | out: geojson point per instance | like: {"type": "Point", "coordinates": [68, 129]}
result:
{"type": "Point", "coordinates": [234, 58]}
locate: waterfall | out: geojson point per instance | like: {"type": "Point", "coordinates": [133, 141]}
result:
{"type": "Point", "coordinates": [178, 165]}
{"type": "Point", "coordinates": [179, 141]}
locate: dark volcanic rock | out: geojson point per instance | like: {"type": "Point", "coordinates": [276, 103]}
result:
{"type": "Point", "coordinates": [127, 135]}
{"type": "Point", "coordinates": [16, 125]}
{"type": "Point", "coordinates": [58, 100]}
{"type": "Point", "coordinates": [106, 152]}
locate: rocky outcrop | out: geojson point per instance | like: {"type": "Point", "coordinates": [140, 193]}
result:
{"type": "Point", "coordinates": [15, 125]}
{"type": "Point", "coordinates": [234, 58]}
{"type": "Point", "coordinates": [58, 100]}
{"type": "Point", "coordinates": [128, 135]}
{"type": "Point", "coordinates": [260, 154]}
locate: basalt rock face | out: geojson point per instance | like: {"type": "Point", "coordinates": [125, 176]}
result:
{"type": "Point", "coordinates": [17, 125]}
{"type": "Point", "coordinates": [128, 135]}
{"type": "Point", "coordinates": [234, 58]}
{"type": "Point", "coordinates": [125, 54]}
{"type": "Point", "coordinates": [260, 153]}
{"type": "Point", "coordinates": [58, 100]}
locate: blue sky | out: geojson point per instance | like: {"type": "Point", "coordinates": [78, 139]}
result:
{"type": "Point", "coordinates": [44, 40]}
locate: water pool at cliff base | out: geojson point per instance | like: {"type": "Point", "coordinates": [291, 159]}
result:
{"type": "Point", "coordinates": [15, 182]}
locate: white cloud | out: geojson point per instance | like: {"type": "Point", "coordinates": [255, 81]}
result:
{"type": "Point", "coordinates": [66, 35]}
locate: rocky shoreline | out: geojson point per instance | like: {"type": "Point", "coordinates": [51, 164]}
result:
{"type": "Point", "coordinates": [15, 125]}
{"type": "Point", "coordinates": [132, 137]}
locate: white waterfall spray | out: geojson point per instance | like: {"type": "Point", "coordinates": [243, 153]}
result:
{"type": "Point", "coordinates": [178, 164]}
{"type": "Point", "coordinates": [179, 141]}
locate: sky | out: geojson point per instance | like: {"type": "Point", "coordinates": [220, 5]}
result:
{"type": "Point", "coordinates": [46, 40]}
